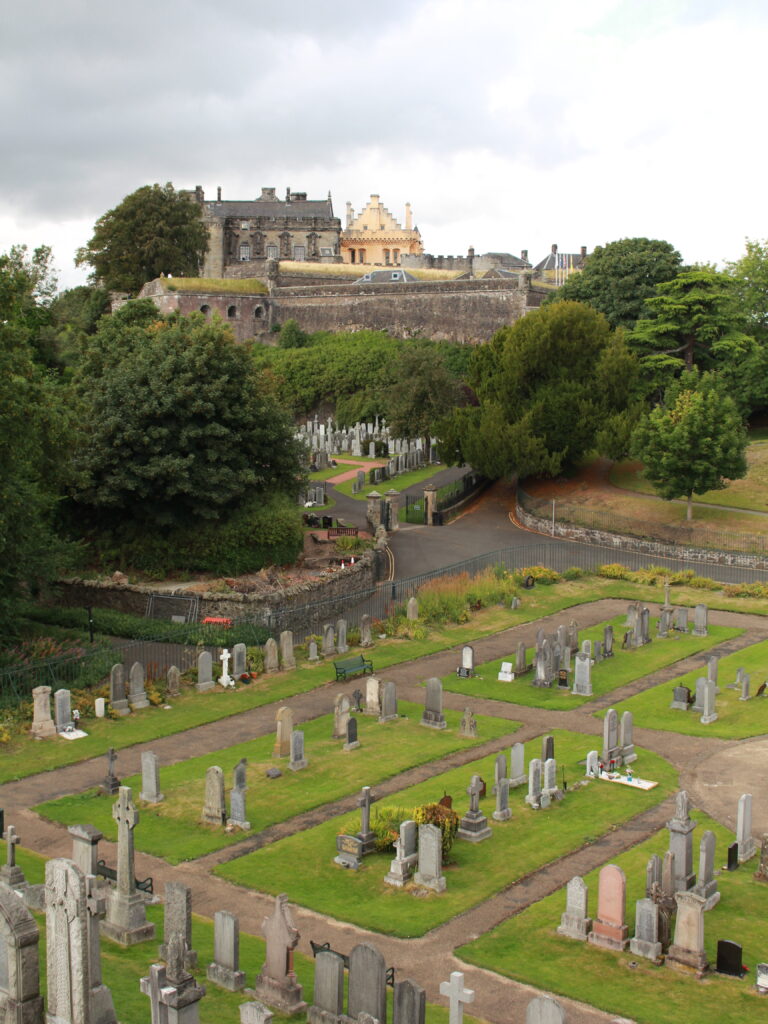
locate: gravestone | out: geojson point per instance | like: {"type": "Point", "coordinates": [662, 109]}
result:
{"type": "Point", "coordinates": [298, 760]}
{"type": "Point", "coordinates": [341, 715]}
{"type": "Point", "coordinates": [328, 992]}
{"type": "Point", "coordinates": [502, 812]}
{"type": "Point", "coordinates": [645, 942]}
{"type": "Point", "coordinates": [329, 641]}
{"type": "Point", "coordinates": [137, 694]}
{"type": "Point", "coordinates": [681, 620]}
{"type": "Point", "coordinates": [652, 873]}
{"type": "Point", "coordinates": [745, 680]}
{"type": "Point", "coordinates": [729, 958]}
{"type": "Point", "coordinates": [517, 774]}
{"type": "Point", "coordinates": [733, 857]}
{"type": "Point", "coordinates": [239, 652]}
{"type": "Point", "coordinates": [544, 1010]}
{"type": "Point", "coordinates": [388, 702]}
{"type": "Point", "coordinates": [214, 808]}
{"type": "Point", "coordinates": [433, 716]}
{"type": "Point", "coordinates": [409, 1003]}
{"type": "Point", "coordinates": [312, 654]}
{"type": "Point", "coordinates": [43, 726]}
{"type": "Point", "coordinates": [467, 661]}
{"type": "Point", "coordinates": [173, 992]}
{"type": "Point", "coordinates": [573, 636]}
{"type": "Point", "coordinates": [608, 642]}
{"type": "Point", "coordinates": [271, 656]}
{"type": "Point", "coordinates": [706, 883]}
{"type": "Point", "coordinates": [687, 951]}
{"type": "Point", "coordinates": [681, 698]}
{"type": "Point", "coordinates": [626, 741]}
{"type": "Point", "coordinates": [533, 799]}
{"type": "Point", "coordinates": [367, 988]}
{"type": "Point", "coordinates": [611, 753]}
{"type": "Point", "coordinates": [357, 700]}
{"type": "Point", "coordinates": [429, 872]}
{"type": "Point", "coordinates": [575, 922]}
{"type": "Point", "coordinates": [457, 996]}
{"type": "Point", "coordinates": [468, 725]}
{"type": "Point", "coordinates": [698, 703]}
{"type": "Point", "coordinates": [366, 631]}
{"type": "Point", "coordinates": [582, 676]}
{"type": "Point", "coordinates": [747, 845]}
{"type": "Point", "coordinates": [277, 984]}
{"type": "Point", "coordinates": [372, 696]}
{"type": "Point", "coordinates": [521, 660]}
{"type": "Point", "coordinates": [150, 779]}
{"type": "Point", "coordinates": [761, 875]}
{"type": "Point", "coordinates": [341, 636]}
{"type": "Point", "coordinates": [680, 843]}
{"type": "Point", "coordinates": [10, 873]}
{"type": "Point", "coordinates": [177, 920]}
{"type": "Point", "coordinates": [506, 675]}
{"type": "Point", "coordinates": [665, 623]}
{"type": "Point", "coordinates": [349, 852]}
{"type": "Point", "coordinates": [761, 979]}
{"type": "Point", "coordinates": [225, 969]}
{"type": "Point", "coordinates": [111, 783]}
{"type": "Point", "coordinates": [700, 620]}
{"type": "Point", "coordinates": [474, 825]}
{"type": "Point", "coordinates": [117, 696]}
{"type": "Point", "coordinates": [204, 672]}
{"type": "Point", "coordinates": [592, 766]}
{"type": "Point", "coordinates": [643, 634]}
{"type": "Point", "coordinates": [287, 655]}
{"type": "Point", "coordinates": [499, 770]}
{"type": "Point", "coordinates": [709, 714]}
{"type": "Point", "coordinates": [412, 609]}
{"type": "Point", "coordinates": [547, 747]}
{"type": "Point", "coordinates": [238, 817]}
{"type": "Point", "coordinates": [85, 847]}
{"type": "Point", "coordinates": [609, 928]}
{"type": "Point", "coordinates": [126, 920]}
{"type": "Point", "coordinates": [365, 835]}
{"type": "Point", "coordinates": [62, 700]}
{"type": "Point", "coordinates": [225, 679]}
{"type": "Point", "coordinates": [406, 856]}
{"type": "Point", "coordinates": [352, 742]}
{"type": "Point", "coordinates": [20, 999]}
{"type": "Point", "coordinates": [283, 730]}
{"type": "Point", "coordinates": [550, 789]}
{"type": "Point", "coordinates": [173, 681]}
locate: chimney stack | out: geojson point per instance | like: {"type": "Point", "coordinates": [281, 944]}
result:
{"type": "Point", "coordinates": [524, 255]}
{"type": "Point", "coordinates": [218, 194]}
{"type": "Point", "coordinates": [408, 218]}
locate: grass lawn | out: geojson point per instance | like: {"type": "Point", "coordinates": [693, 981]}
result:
{"type": "Point", "coordinates": [172, 829]}
{"type": "Point", "coordinates": [622, 668]}
{"type": "Point", "coordinates": [400, 482]}
{"type": "Point", "coordinates": [527, 948]}
{"type": "Point", "coordinates": [123, 968]}
{"type": "Point", "coordinates": [517, 847]}
{"type": "Point", "coordinates": [736, 719]}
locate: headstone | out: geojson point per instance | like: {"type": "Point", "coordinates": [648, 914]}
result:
{"type": "Point", "coordinates": [681, 697]}
{"type": "Point", "coordinates": [544, 1010]}
{"type": "Point", "coordinates": [745, 680]}
{"type": "Point", "coordinates": [698, 703]}
{"type": "Point", "coordinates": [20, 999]}
{"type": "Point", "coordinates": [177, 920]}
{"type": "Point", "coordinates": [85, 847]}
{"type": "Point", "coordinates": [681, 620]}
{"type": "Point", "coordinates": [521, 659]}
{"type": "Point", "coordinates": [238, 817]}
{"type": "Point", "coordinates": [225, 969]}
{"type": "Point", "coordinates": [506, 675]}
{"type": "Point", "coordinates": [225, 679]}
{"type": "Point", "coordinates": [611, 753]}
{"type": "Point", "coordinates": [474, 825]}
{"type": "Point", "coordinates": [43, 727]}
{"type": "Point", "coordinates": [575, 922]}
{"type": "Point", "coordinates": [412, 609]}
{"type": "Point", "coordinates": [665, 623]}
{"type": "Point", "coordinates": [652, 873]}
{"type": "Point", "coordinates": [468, 660]}
{"type": "Point", "coordinates": [761, 875]}
{"type": "Point", "coordinates": [609, 928]}
{"type": "Point", "coordinates": [173, 682]}
{"type": "Point", "coordinates": [608, 642]}
{"type": "Point", "coordinates": [357, 700]}
{"type": "Point", "coordinates": [747, 845]}
{"type": "Point", "coordinates": [365, 835]}
{"type": "Point", "coordinates": [687, 951]}
{"type": "Point", "coordinates": [729, 958]}
{"type": "Point", "coordinates": [388, 702]}
{"type": "Point", "coordinates": [517, 774]}
{"type": "Point", "coordinates": [349, 851]}
{"type": "Point", "coordinates": [502, 812]}
{"type": "Point", "coordinates": [137, 694]}
{"type": "Point", "coordinates": [533, 799]}
{"type": "Point", "coordinates": [592, 767]}
{"type": "Point", "coordinates": [352, 742]}
{"type": "Point", "coordinates": [582, 676]}
{"type": "Point", "coordinates": [298, 760]}
{"type": "Point", "coordinates": [626, 741]}
{"type": "Point", "coordinates": [173, 992]}
{"type": "Point", "coordinates": [341, 714]}
{"type": "Point", "coordinates": [709, 714]}
{"type": "Point", "coordinates": [271, 657]}
{"type": "Point", "coordinates": [214, 808]}
{"type": "Point", "coordinates": [328, 993]}
{"type": "Point", "coordinates": [550, 788]}
{"type": "Point", "coordinates": [126, 920]}
{"type": "Point", "coordinates": [117, 697]}
{"type": "Point", "coordinates": [409, 1003]}
{"type": "Point", "coordinates": [277, 984]}
{"type": "Point", "coordinates": [367, 990]}
{"type": "Point", "coordinates": [433, 716]}
{"type": "Point", "coordinates": [111, 783]}
{"type": "Point", "coordinates": [733, 857]}
{"type": "Point", "coordinates": [287, 656]}
{"type": "Point", "coordinates": [457, 996]}
{"type": "Point", "coordinates": [645, 942]}
{"type": "Point", "coordinates": [547, 747]}
{"type": "Point", "coordinates": [10, 873]}
{"type": "Point", "coordinates": [499, 770]}
{"type": "Point", "coordinates": [284, 728]}
{"type": "Point", "coordinates": [366, 631]}
{"type": "Point", "coordinates": [680, 843]}
{"type": "Point", "coordinates": [63, 710]}
{"type": "Point", "coordinates": [150, 779]}
{"type": "Point", "coordinates": [204, 672]}
{"type": "Point", "coordinates": [239, 652]}
{"type": "Point", "coordinates": [468, 725]}
{"type": "Point", "coordinates": [341, 636]}
{"type": "Point", "coordinates": [645, 627]}
{"type": "Point", "coordinates": [700, 620]}
{"type": "Point", "coordinates": [761, 979]}
{"type": "Point", "coordinates": [329, 640]}
{"type": "Point", "coordinates": [573, 636]}
{"type": "Point", "coordinates": [372, 696]}
{"type": "Point", "coordinates": [312, 654]}
{"type": "Point", "coordinates": [406, 856]}
{"type": "Point", "coordinates": [429, 872]}
{"type": "Point", "coordinates": [706, 883]}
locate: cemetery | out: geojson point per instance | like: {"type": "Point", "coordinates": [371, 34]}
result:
{"type": "Point", "coordinates": [307, 803]}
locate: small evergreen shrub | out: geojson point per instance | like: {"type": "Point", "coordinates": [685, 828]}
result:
{"type": "Point", "coordinates": [446, 819]}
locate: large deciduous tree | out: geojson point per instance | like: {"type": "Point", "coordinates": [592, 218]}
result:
{"type": "Point", "coordinates": [418, 393]}
{"type": "Point", "coordinates": [750, 286]}
{"type": "Point", "coordinates": [155, 230]}
{"type": "Point", "coordinates": [694, 441]}
{"type": "Point", "coordinates": [550, 387]}
{"type": "Point", "coordinates": [619, 276]}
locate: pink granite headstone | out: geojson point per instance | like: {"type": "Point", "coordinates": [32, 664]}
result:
{"type": "Point", "coordinates": [609, 928]}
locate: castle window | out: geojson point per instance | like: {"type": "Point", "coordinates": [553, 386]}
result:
{"type": "Point", "coordinates": [232, 312]}
{"type": "Point", "coordinates": [258, 312]}
{"type": "Point", "coordinates": [299, 252]}
{"type": "Point", "coordinates": [351, 255]}
{"type": "Point", "coordinates": [205, 309]}
{"type": "Point", "coordinates": [396, 257]}
{"type": "Point", "coordinates": [386, 257]}
{"type": "Point", "coordinates": [271, 252]}
{"type": "Point", "coordinates": [361, 255]}
{"type": "Point", "coordinates": [245, 251]}
{"type": "Point", "coordinates": [326, 252]}
{"type": "Point", "coordinates": [244, 225]}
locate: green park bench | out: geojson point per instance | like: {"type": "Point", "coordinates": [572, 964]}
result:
{"type": "Point", "coordinates": [352, 666]}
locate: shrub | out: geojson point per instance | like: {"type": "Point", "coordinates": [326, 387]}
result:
{"type": "Point", "coordinates": [446, 819]}
{"type": "Point", "coordinates": [539, 573]}
{"type": "Point", "coordinates": [746, 590]}
{"type": "Point", "coordinates": [574, 573]}
{"type": "Point", "coordinates": [385, 824]}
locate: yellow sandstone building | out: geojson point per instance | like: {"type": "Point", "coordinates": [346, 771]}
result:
{"type": "Point", "coordinates": [374, 237]}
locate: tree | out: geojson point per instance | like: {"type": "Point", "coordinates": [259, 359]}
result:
{"type": "Point", "coordinates": [155, 230]}
{"type": "Point", "coordinates": [547, 387]}
{"type": "Point", "coordinates": [750, 286]}
{"type": "Point", "coordinates": [178, 429]}
{"type": "Point", "coordinates": [618, 277]}
{"type": "Point", "coordinates": [695, 442]}
{"type": "Point", "coordinates": [693, 319]}
{"type": "Point", "coordinates": [418, 393]}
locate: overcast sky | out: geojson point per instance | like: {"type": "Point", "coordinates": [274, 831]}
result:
{"type": "Point", "coordinates": [508, 125]}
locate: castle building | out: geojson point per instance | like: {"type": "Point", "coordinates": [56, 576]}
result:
{"type": "Point", "coordinates": [375, 238]}
{"type": "Point", "coordinates": [243, 233]}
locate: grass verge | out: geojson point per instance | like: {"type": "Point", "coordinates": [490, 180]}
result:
{"type": "Point", "coordinates": [400, 483]}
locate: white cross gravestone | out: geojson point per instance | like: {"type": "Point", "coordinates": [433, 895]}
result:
{"type": "Point", "coordinates": [457, 996]}
{"type": "Point", "coordinates": [226, 679]}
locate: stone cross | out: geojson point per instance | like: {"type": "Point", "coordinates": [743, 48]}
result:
{"type": "Point", "coordinates": [456, 995]}
{"type": "Point", "coordinates": [11, 839]}
{"type": "Point", "coordinates": [473, 791]}
{"type": "Point", "coordinates": [225, 679]}
{"type": "Point", "coordinates": [127, 817]}
{"type": "Point", "coordinates": [364, 802]}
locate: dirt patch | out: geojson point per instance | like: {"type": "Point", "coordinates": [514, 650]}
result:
{"type": "Point", "coordinates": [591, 478]}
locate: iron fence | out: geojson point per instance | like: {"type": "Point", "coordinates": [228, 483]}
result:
{"type": "Point", "coordinates": [453, 493]}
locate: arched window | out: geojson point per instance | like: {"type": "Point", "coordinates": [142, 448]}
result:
{"type": "Point", "coordinates": [245, 251]}
{"type": "Point", "coordinates": [205, 309]}
{"type": "Point", "coordinates": [258, 312]}
{"type": "Point", "coordinates": [232, 312]}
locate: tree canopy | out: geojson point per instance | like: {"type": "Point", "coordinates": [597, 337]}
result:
{"type": "Point", "coordinates": [695, 441]}
{"type": "Point", "coordinates": [750, 287]}
{"type": "Point", "coordinates": [155, 230]}
{"type": "Point", "coordinates": [619, 276]}
{"type": "Point", "coordinates": [548, 387]}
{"type": "Point", "coordinates": [418, 393]}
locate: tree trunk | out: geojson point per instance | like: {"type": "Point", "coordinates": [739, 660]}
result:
{"type": "Point", "coordinates": [689, 513]}
{"type": "Point", "coordinates": [690, 341]}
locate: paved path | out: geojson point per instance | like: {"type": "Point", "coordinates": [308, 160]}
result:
{"type": "Point", "coordinates": [430, 958]}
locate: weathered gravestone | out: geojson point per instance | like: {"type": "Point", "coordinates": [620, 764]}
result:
{"type": "Point", "coordinates": [366, 631]}
{"type": "Point", "coordinates": [412, 609]}
{"type": "Point", "coordinates": [681, 620]}
{"type": "Point", "coordinates": [706, 883]}
{"type": "Point", "coordinates": [429, 872]}
{"type": "Point", "coordinates": [10, 873]}
{"type": "Point", "coordinates": [277, 984]}
{"type": "Point", "coordinates": [406, 856]}
{"type": "Point", "coordinates": [547, 747]}
{"type": "Point", "coordinates": [550, 790]}
{"type": "Point", "coordinates": [474, 825]}
{"type": "Point", "coordinates": [204, 672]}
{"type": "Point", "coordinates": [680, 843]}
{"type": "Point", "coordinates": [467, 667]}
{"type": "Point", "coordinates": [468, 725]}
{"type": "Point", "coordinates": [238, 817]}
{"type": "Point", "coordinates": [173, 681]}
{"type": "Point", "coordinates": [298, 759]}
{"type": "Point", "coordinates": [341, 631]}
{"type": "Point", "coordinates": [177, 919]}
{"type": "Point", "coordinates": [609, 928]}
{"type": "Point", "coordinates": [409, 1003]}
{"type": "Point", "coordinates": [329, 641]}
{"type": "Point", "coordinates": [502, 812]}
{"type": "Point", "coordinates": [214, 808]}
{"type": "Point", "coordinates": [173, 992]}
{"type": "Point", "coordinates": [126, 919]}
{"type": "Point", "coordinates": [238, 660]}
{"type": "Point", "coordinates": [611, 753]}
{"type": "Point", "coordinates": [761, 875]}
{"type": "Point", "coordinates": [582, 677]}
{"type": "Point", "coordinates": [388, 702]}
{"type": "Point", "coordinates": [117, 698]}
{"type": "Point", "coordinates": [681, 699]}
{"type": "Point", "coordinates": [352, 742]}
{"type": "Point", "coordinates": [111, 783]}
{"type": "Point", "coordinates": [284, 728]}
{"type": "Point", "coordinates": [271, 656]}
{"type": "Point", "coordinates": [372, 696]}
{"type": "Point", "coordinates": [367, 989]}
{"type": "Point", "coordinates": [700, 620]}
{"type": "Point", "coordinates": [645, 941]}
{"type": "Point", "coordinates": [626, 740]}
{"type": "Point", "coordinates": [592, 765]}
{"type": "Point", "coordinates": [575, 922]}
{"type": "Point", "coordinates": [150, 779]}
{"type": "Point", "coordinates": [20, 999]}
{"type": "Point", "coordinates": [312, 654]}
{"type": "Point", "coordinates": [533, 799]}
{"type": "Point", "coordinates": [517, 774]}
{"type": "Point", "coordinates": [687, 951]}
{"type": "Point", "coordinates": [709, 714]}
{"type": "Point", "coordinates": [225, 969]}
{"type": "Point", "coordinates": [341, 713]}
{"type": "Point", "coordinates": [137, 693]}
{"type": "Point", "coordinates": [433, 716]}
{"type": "Point", "coordinates": [43, 727]}
{"type": "Point", "coordinates": [747, 845]}
{"type": "Point", "coordinates": [328, 993]}
{"type": "Point", "coordinates": [365, 835]}
{"type": "Point", "coordinates": [544, 1010]}
{"type": "Point", "coordinates": [287, 655]}
{"type": "Point", "coordinates": [63, 710]}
